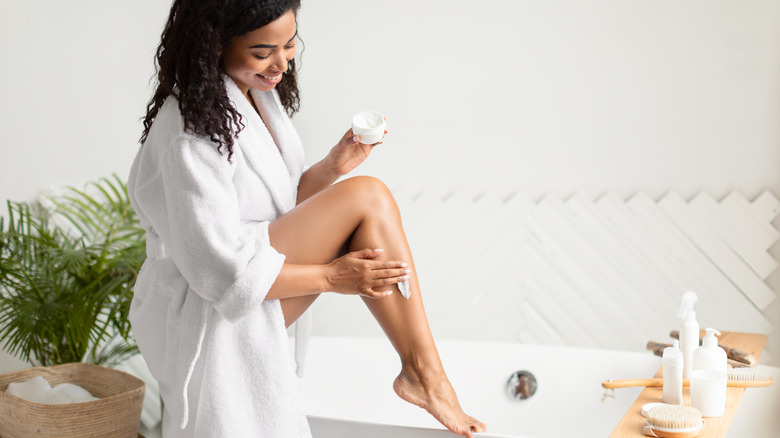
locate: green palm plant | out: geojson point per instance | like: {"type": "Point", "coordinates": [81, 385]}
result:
{"type": "Point", "coordinates": [66, 276]}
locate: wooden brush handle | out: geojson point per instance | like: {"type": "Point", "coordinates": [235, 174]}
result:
{"type": "Point", "coordinates": [628, 383]}
{"type": "Point", "coordinates": [650, 431]}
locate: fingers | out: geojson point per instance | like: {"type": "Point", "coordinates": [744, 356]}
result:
{"type": "Point", "coordinates": [349, 138]}
{"type": "Point", "coordinates": [382, 268]}
{"type": "Point", "coordinates": [347, 135]}
{"type": "Point", "coordinates": [386, 281]}
{"type": "Point", "coordinates": [367, 253]}
{"type": "Point", "coordinates": [358, 273]}
{"type": "Point", "coordinates": [371, 293]}
{"type": "Point", "coordinates": [387, 277]}
{"type": "Point", "coordinates": [400, 274]}
{"type": "Point", "coordinates": [389, 281]}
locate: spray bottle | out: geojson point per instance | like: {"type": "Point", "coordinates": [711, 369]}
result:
{"type": "Point", "coordinates": [689, 331]}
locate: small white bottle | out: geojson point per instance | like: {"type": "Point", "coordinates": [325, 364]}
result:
{"type": "Point", "coordinates": [689, 331]}
{"type": "Point", "coordinates": [709, 380]}
{"type": "Point", "coordinates": [673, 375]}
{"type": "Point", "coordinates": [710, 356]}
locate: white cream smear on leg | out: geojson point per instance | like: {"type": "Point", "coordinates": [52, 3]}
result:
{"type": "Point", "coordinates": [404, 288]}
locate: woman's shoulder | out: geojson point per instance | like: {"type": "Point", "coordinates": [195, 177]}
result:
{"type": "Point", "coordinates": [168, 127]}
{"type": "Point", "coordinates": [169, 140]}
{"type": "Point", "coordinates": [169, 118]}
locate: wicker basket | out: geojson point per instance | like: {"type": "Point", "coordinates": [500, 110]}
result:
{"type": "Point", "coordinates": [115, 415]}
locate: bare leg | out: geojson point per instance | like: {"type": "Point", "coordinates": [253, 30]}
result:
{"type": "Point", "coordinates": [361, 213]}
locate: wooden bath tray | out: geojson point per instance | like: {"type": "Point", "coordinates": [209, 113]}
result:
{"type": "Point", "coordinates": [631, 424]}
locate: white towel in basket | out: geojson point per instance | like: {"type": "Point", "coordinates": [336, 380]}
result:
{"type": "Point", "coordinates": [38, 390]}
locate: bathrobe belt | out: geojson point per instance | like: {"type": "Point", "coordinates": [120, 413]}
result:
{"type": "Point", "coordinates": [155, 249]}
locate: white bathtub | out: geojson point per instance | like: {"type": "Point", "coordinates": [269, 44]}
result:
{"type": "Point", "coordinates": [347, 389]}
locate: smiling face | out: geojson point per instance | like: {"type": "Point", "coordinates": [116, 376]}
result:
{"type": "Point", "coordinates": [259, 58]}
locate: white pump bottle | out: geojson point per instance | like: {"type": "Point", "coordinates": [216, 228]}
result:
{"type": "Point", "coordinates": [689, 331]}
{"type": "Point", "coordinates": [710, 356]}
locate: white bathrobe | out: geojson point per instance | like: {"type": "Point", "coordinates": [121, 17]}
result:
{"type": "Point", "coordinates": [219, 350]}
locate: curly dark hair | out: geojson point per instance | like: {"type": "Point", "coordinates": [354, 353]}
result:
{"type": "Point", "coordinates": [189, 67]}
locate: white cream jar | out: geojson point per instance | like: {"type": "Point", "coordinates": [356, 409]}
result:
{"type": "Point", "coordinates": [369, 125]}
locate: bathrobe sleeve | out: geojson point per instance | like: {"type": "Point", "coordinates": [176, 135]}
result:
{"type": "Point", "coordinates": [223, 259]}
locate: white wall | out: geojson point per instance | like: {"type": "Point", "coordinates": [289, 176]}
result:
{"type": "Point", "coordinates": [553, 96]}
{"type": "Point", "coordinates": [542, 96]}
{"type": "Point", "coordinates": [74, 85]}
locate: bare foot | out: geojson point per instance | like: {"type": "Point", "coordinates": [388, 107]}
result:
{"type": "Point", "coordinates": [432, 391]}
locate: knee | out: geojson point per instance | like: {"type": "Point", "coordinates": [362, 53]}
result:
{"type": "Point", "coordinates": [372, 193]}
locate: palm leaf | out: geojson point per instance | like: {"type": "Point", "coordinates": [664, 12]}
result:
{"type": "Point", "coordinates": [115, 354]}
{"type": "Point", "coordinates": [66, 275]}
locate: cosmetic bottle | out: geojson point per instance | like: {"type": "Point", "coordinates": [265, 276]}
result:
{"type": "Point", "coordinates": [689, 331]}
{"type": "Point", "coordinates": [710, 356]}
{"type": "Point", "coordinates": [709, 378]}
{"type": "Point", "coordinates": [673, 374]}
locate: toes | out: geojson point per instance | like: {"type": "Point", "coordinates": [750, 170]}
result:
{"type": "Point", "coordinates": [477, 426]}
{"type": "Point", "coordinates": [463, 428]}
{"type": "Point", "coordinates": [465, 431]}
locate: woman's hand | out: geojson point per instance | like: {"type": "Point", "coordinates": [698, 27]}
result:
{"type": "Point", "coordinates": [356, 273]}
{"type": "Point", "coordinates": [349, 153]}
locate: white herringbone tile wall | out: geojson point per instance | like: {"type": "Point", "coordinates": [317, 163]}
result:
{"type": "Point", "coordinates": [603, 273]}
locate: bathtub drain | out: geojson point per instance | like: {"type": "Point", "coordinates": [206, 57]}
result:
{"type": "Point", "coordinates": [521, 385]}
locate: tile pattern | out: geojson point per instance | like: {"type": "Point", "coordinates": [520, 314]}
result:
{"type": "Point", "coordinates": [603, 273]}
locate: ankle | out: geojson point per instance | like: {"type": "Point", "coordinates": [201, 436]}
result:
{"type": "Point", "coordinates": [423, 370]}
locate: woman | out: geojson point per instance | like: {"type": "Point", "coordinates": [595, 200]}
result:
{"type": "Point", "coordinates": [241, 238]}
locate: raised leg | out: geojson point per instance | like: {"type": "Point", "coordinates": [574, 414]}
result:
{"type": "Point", "coordinates": [361, 213]}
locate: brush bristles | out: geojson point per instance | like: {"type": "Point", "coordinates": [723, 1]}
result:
{"type": "Point", "coordinates": [747, 375]}
{"type": "Point", "coordinates": [674, 417]}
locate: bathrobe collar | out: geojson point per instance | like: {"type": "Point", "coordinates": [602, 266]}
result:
{"type": "Point", "coordinates": [271, 147]}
